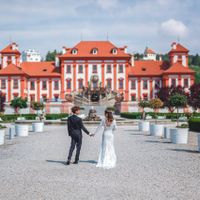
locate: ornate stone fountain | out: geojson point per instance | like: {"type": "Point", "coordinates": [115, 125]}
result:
{"type": "Point", "coordinates": [92, 115]}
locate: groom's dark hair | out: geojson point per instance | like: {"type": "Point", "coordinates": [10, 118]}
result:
{"type": "Point", "coordinates": [75, 108]}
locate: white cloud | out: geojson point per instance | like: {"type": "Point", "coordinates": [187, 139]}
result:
{"type": "Point", "coordinates": [175, 28]}
{"type": "Point", "coordinates": [107, 4]}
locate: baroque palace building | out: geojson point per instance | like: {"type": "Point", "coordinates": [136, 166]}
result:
{"type": "Point", "coordinates": [93, 64]}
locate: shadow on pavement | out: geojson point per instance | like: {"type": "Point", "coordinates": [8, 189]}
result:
{"type": "Point", "coordinates": [153, 141]}
{"type": "Point", "coordinates": [88, 161]}
{"type": "Point", "coordinates": [185, 150]}
{"type": "Point", "coordinates": [57, 161]}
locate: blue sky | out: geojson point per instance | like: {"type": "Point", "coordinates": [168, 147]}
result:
{"type": "Point", "coordinates": [48, 25]}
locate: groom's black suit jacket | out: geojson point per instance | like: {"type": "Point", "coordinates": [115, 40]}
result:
{"type": "Point", "coordinates": [75, 125]}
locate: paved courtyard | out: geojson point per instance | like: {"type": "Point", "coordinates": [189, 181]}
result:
{"type": "Point", "coordinates": [147, 168]}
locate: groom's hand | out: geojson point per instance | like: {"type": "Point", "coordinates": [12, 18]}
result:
{"type": "Point", "coordinates": [91, 134]}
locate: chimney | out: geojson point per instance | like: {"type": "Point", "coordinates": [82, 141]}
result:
{"type": "Point", "coordinates": [64, 50]}
{"type": "Point", "coordinates": [173, 45]}
{"type": "Point", "coordinates": [132, 60]}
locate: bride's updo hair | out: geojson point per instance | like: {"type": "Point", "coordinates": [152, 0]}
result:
{"type": "Point", "coordinates": [109, 116]}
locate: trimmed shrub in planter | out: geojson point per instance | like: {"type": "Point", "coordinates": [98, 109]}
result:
{"type": "Point", "coordinates": [2, 134]}
{"type": "Point", "coordinates": [156, 130]}
{"type": "Point", "coordinates": [38, 127]}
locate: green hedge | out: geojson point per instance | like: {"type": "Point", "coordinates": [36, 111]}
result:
{"type": "Point", "coordinates": [137, 115]}
{"type": "Point", "coordinates": [13, 117]}
{"type": "Point", "coordinates": [194, 124]}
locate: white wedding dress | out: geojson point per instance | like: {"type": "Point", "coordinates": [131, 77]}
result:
{"type": "Point", "coordinates": [107, 157]}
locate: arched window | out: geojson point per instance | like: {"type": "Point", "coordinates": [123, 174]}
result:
{"type": "Point", "coordinates": [94, 51]}
{"type": "Point", "coordinates": [114, 51]}
{"type": "Point", "coordinates": [74, 51]}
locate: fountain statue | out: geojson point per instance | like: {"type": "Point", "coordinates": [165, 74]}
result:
{"type": "Point", "coordinates": [92, 115]}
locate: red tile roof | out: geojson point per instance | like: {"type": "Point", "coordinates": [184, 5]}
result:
{"type": "Point", "coordinates": [178, 48]}
{"type": "Point", "coordinates": [40, 69]}
{"type": "Point", "coordinates": [148, 68]}
{"type": "Point", "coordinates": [9, 49]}
{"type": "Point", "coordinates": [178, 68]}
{"type": "Point", "coordinates": [104, 50]}
{"type": "Point", "coordinates": [12, 70]}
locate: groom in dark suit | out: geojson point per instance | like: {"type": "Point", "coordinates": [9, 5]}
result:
{"type": "Point", "coordinates": [75, 127]}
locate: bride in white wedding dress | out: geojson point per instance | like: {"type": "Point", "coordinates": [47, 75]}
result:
{"type": "Point", "coordinates": [107, 157]}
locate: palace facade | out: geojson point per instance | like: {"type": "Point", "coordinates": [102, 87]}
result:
{"type": "Point", "coordinates": [92, 64]}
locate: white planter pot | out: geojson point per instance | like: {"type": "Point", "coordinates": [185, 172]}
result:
{"type": "Point", "coordinates": [38, 126]}
{"type": "Point", "coordinates": [21, 130]}
{"type": "Point", "coordinates": [143, 126]}
{"type": "Point", "coordinates": [2, 136]}
{"type": "Point", "coordinates": [179, 135]}
{"type": "Point", "coordinates": [159, 130]}
{"type": "Point", "coordinates": [152, 129]}
{"type": "Point", "coordinates": [199, 142]}
{"type": "Point", "coordinates": [11, 132]}
{"type": "Point", "coordinates": [167, 134]}
{"type": "Point", "coordinates": [156, 130]}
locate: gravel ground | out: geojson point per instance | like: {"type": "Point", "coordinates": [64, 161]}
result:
{"type": "Point", "coordinates": [147, 168]}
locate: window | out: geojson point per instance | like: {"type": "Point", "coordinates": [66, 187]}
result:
{"type": "Point", "coordinates": [94, 51]}
{"type": "Point", "coordinates": [157, 84]}
{"type": "Point", "coordinates": [15, 95]}
{"type": "Point", "coordinates": [15, 84]}
{"type": "Point", "coordinates": [74, 51]}
{"type": "Point", "coordinates": [68, 69]}
{"type": "Point", "coordinates": [32, 85]}
{"type": "Point", "coordinates": [44, 85]}
{"type": "Point", "coordinates": [94, 68]}
{"type": "Point", "coordinates": [121, 84]}
{"type": "Point", "coordinates": [109, 83]}
{"type": "Point", "coordinates": [3, 84]}
{"type": "Point", "coordinates": [109, 69]}
{"type": "Point", "coordinates": [56, 97]}
{"type": "Point", "coordinates": [133, 86]}
{"type": "Point", "coordinates": [133, 97]}
{"type": "Point", "coordinates": [44, 97]}
{"type": "Point", "coordinates": [69, 84]}
{"type": "Point", "coordinates": [80, 69]}
{"type": "Point", "coordinates": [173, 82]}
{"type": "Point", "coordinates": [56, 85]}
{"type": "Point", "coordinates": [80, 83]}
{"type": "Point", "coordinates": [145, 97]}
{"type": "Point", "coordinates": [114, 51]}
{"type": "Point", "coordinates": [32, 97]}
{"type": "Point", "coordinates": [145, 84]}
{"type": "Point", "coordinates": [121, 68]}
{"type": "Point", "coordinates": [186, 84]}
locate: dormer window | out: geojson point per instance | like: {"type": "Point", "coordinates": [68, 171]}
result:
{"type": "Point", "coordinates": [114, 51]}
{"type": "Point", "coordinates": [94, 51]}
{"type": "Point", "coordinates": [74, 51]}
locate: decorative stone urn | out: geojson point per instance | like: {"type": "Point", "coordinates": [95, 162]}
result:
{"type": "Point", "coordinates": [92, 115]}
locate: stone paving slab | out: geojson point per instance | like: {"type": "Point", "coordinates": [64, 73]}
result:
{"type": "Point", "coordinates": [147, 168]}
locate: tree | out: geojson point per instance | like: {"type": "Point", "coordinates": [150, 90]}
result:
{"type": "Point", "coordinates": [2, 102]}
{"type": "Point", "coordinates": [178, 101]}
{"type": "Point", "coordinates": [155, 104]}
{"type": "Point", "coordinates": [194, 98]}
{"type": "Point", "coordinates": [143, 104]}
{"type": "Point", "coordinates": [37, 106]}
{"type": "Point", "coordinates": [51, 55]}
{"type": "Point", "coordinates": [165, 92]}
{"type": "Point", "coordinates": [18, 103]}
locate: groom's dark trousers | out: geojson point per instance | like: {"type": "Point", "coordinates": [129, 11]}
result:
{"type": "Point", "coordinates": [75, 127]}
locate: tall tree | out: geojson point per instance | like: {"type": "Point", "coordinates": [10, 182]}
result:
{"type": "Point", "coordinates": [51, 55]}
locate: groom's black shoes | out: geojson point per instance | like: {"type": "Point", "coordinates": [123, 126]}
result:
{"type": "Point", "coordinates": [68, 162]}
{"type": "Point", "coordinates": [75, 162]}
